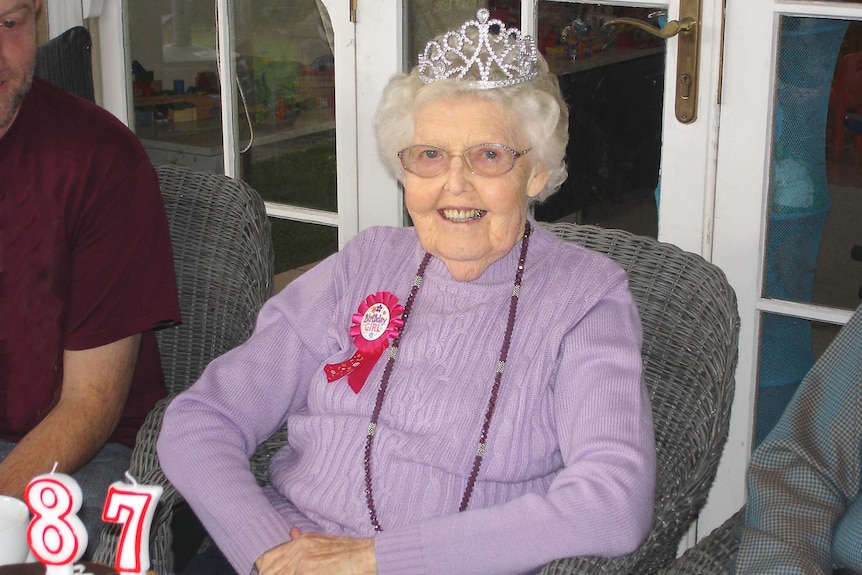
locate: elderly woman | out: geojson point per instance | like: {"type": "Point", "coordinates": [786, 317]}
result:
{"type": "Point", "coordinates": [410, 448]}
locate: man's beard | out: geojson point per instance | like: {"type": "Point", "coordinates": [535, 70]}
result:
{"type": "Point", "coordinates": [9, 109]}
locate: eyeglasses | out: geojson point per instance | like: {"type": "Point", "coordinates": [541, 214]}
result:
{"type": "Point", "coordinates": [487, 160]}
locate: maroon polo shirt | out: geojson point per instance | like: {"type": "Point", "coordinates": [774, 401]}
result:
{"type": "Point", "coordinates": [85, 255]}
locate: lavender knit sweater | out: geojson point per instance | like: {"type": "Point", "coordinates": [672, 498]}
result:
{"type": "Point", "coordinates": [569, 467]}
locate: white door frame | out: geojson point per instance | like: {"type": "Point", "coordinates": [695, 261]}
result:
{"type": "Point", "coordinates": [378, 40]}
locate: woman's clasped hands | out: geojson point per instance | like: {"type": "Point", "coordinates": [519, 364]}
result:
{"type": "Point", "coordinates": [319, 554]}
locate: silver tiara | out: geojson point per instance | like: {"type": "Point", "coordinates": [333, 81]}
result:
{"type": "Point", "coordinates": [486, 46]}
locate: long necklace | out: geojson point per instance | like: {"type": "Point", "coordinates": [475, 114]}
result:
{"type": "Point", "coordinates": [495, 388]}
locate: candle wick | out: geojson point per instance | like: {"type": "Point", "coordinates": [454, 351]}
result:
{"type": "Point", "coordinates": [56, 464]}
{"type": "Point", "coordinates": [130, 479]}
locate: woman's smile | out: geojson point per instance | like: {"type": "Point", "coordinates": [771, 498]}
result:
{"type": "Point", "coordinates": [460, 216]}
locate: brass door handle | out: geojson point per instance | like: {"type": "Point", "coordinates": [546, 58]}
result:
{"type": "Point", "coordinates": [670, 29]}
{"type": "Point", "coordinates": [687, 29]}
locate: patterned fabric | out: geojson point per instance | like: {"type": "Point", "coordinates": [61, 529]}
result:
{"type": "Point", "coordinates": [806, 473]}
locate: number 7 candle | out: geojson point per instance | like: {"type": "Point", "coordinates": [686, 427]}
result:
{"type": "Point", "coordinates": [133, 505]}
{"type": "Point", "coordinates": [56, 536]}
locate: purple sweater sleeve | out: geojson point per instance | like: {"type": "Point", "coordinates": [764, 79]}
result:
{"type": "Point", "coordinates": [210, 431]}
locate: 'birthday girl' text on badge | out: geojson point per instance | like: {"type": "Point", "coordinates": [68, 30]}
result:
{"type": "Point", "coordinates": [375, 322]}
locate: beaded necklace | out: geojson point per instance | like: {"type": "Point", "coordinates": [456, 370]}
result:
{"type": "Point", "coordinates": [495, 388]}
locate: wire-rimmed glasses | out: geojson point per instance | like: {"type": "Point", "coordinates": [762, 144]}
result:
{"type": "Point", "coordinates": [487, 160]}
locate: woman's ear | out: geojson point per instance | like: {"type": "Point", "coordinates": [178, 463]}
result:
{"type": "Point", "coordinates": [537, 183]}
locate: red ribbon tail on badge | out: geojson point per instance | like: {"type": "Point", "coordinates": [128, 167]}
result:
{"type": "Point", "coordinates": [357, 368]}
{"type": "Point", "coordinates": [335, 371]}
{"type": "Point", "coordinates": [357, 377]}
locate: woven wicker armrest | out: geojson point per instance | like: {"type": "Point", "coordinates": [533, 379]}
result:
{"type": "Point", "coordinates": [691, 327]}
{"type": "Point", "coordinates": [144, 467]}
{"type": "Point", "coordinates": [715, 554]}
{"type": "Point", "coordinates": [223, 258]}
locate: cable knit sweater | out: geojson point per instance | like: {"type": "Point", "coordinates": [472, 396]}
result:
{"type": "Point", "coordinates": [569, 467]}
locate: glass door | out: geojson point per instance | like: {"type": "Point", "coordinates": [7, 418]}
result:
{"type": "Point", "coordinates": [247, 88]}
{"type": "Point", "coordinates": [612, 77]}
{"type": "Point", "coordinates": [787, 203]}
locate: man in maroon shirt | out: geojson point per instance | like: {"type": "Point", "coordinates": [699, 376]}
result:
{"type": "Point", "coordinates": [86, 274]}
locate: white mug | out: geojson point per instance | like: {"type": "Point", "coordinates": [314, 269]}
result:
{"type": "Point", "coordinates": [14, 519]}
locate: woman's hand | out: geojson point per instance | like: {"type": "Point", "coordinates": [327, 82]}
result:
{"type": "Point", "coordinates": [319, 554]}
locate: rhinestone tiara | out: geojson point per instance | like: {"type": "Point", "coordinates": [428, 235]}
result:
{"type": "Point", "coordinates": [486, 46]}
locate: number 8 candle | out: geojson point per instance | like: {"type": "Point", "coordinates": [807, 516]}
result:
{"type": "Point", "coordinates": [133, 505]}
{"type": "Point", "coordinates": [56, 536]}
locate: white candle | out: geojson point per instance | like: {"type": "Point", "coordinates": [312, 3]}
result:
{"type": "Point", "coordinates": [56, 535]}
{"type": "Point", "coordinates": [133, 505]}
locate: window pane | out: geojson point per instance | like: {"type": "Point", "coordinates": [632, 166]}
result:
{"type": "Point", "coordinates": [788, 349]}
{"type": "Point", "coordinates": [815, 200]}
{"type": "Point", "coordinates": [298, 244]}
{"type": "Point", "coordinates": [175, 82]}
{"type": "Point", "coordinates": [287, 109]}
{"type": "Point", "coordinates": [285, 101]}
{"type": "Point", "coordinates": [285, 97]}
{"type": "Point", "coordinates": [426, 19]}
{"type": "Point", "coordinates": [612, 78]}
{"type": "Point", "coordinates": [297, 171]}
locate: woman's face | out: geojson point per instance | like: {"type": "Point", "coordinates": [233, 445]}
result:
{"type": "Point", "coordinates": [469, 221]}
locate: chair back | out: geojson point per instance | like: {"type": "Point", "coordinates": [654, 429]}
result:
{"type": "Point", "coordinates": [66, 61]}
{"type": "Point", "coordinates": [223, 257]}
{"type": "Point", "coordinates": [690, 325]}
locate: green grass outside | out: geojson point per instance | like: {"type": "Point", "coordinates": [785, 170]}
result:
{"type": "Point", "coordinates": [297, 244]}
{"type": "Point", "coordinates": [303, 177]}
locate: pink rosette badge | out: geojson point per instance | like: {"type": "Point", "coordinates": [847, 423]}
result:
{"type": "Point", "coordinates": [377, 320]}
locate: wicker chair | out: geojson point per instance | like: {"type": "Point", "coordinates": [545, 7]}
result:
{"type": "Point", "coordinates": [223, 257]}
{"type": "Point", "coordinates": [715, 554]}
{"type": "Point", "coordinates": [66, 61]}
{"type": "Point", "coordinates": [691, 326]}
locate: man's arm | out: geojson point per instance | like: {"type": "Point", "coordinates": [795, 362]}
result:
{"type": "Point", "coordinates": [806, 471]}
{"type": "Point", "coordinates": [96, 383]}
